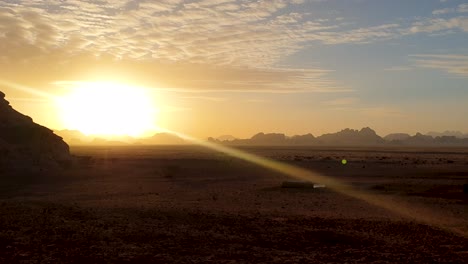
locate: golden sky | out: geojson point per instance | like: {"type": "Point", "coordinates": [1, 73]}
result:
{"type": "Point", "coordinates": [214, 67]}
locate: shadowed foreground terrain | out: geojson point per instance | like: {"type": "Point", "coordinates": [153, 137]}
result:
{"type": "Point", "coordinates": [188, 204]}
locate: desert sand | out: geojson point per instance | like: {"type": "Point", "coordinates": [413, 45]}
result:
{"type": "Point", "coordinates": [187, 204]}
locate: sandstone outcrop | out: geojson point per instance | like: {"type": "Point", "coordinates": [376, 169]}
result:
{"type": "Point", "coordinates": [25, 144]}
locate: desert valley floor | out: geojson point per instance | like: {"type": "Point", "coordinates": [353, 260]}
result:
{"type": "Point", "coordinates": [186, 204]}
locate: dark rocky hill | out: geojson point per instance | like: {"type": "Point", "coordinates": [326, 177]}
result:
{"type": "Point", "coordinates": [25, 144]}
{"type": "Point", "coordinates": [345, 137]}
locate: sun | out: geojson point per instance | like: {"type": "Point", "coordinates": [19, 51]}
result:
{"type": "Point", "coordinates": [108, 109]}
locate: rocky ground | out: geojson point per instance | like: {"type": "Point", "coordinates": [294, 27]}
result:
{"type": "Point", "coordinates": [191, 205]}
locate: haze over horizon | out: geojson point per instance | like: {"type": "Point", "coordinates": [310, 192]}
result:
{"type": "Point", "coordinates": [216, 67]}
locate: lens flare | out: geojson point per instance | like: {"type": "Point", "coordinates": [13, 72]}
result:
{"type": "Point", "coordinates": [27, 89]}
{"type": "Point", "coordinates": [394, 206]}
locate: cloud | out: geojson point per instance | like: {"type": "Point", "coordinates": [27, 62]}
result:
{"type": "Point", "coordinates": [341, 102]}
{"type": "Point", "coordinates": [438, 25]}
{"type": "Point", "coordinates": [455, 64]}
{"type": "Point", "coordinates": [223, 32]}
{"type": "Point", "coordinates": [462, 8]}
{"type": "Point", "coordinates": [28, 99]}
{"type": "Point", "coordinates": [167, 38]}
{"type": "Point", "coordinates": [399, 68]}
{"type": "Point", "coordinates": [206, 98]}
{"type": "Point", "coordinates": [257, 100]}
{"type": "Point", "coordinates": [360, 35]}
{"type": "Point", "coordinates": [172, 109]}
{"type": "Point", "coordinates": [198, 78]}
{"type": "Point", "coordinates": [240, 41]}
{"type": "Point", "coordinates": [443, 11]}
{"type": "Point", "coordinates": [229, 44]}
{"type": "Point", "coordinates": [380, 112]}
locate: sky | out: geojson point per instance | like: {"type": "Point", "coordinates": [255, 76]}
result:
{"type": "Point", "coordinates": [215, 67]}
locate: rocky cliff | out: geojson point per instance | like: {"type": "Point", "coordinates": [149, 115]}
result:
{"type": "Point", "coordinates": [25, 144]}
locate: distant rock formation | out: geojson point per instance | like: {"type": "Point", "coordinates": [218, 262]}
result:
{"type": "Point", "coordinates": [307, 139]}
{"type": "Point", "coordinates": [419, 139]}
{"type": "Point", "coordinates": [271, 138]}
{"type": "Point", "coordinates": [397, 137]}
{"type": "Point", "coordinates": [348, 137]}
{"type": "Point", "coordinates": [25, 144]}
{"type": "Point", "coordinates": [226, 138]}
{"type": "Point", "coordinates": [73, 137]}
{"type": "Point", "coordinates": [448, 133]}
{"type": "Point", "coordinates": [162, 139]}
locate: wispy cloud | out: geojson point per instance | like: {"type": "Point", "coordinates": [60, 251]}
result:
{"type": "Point", "coordinates": [221, 45]}
{"type": "Point", "coordinates": [171, 109]}
{"type": "Point", "coordinates": [211, 78]}
{"type": "Point", "coordinates": [214, 44]}
{"type": "Point", "coordinates": [399, 68]}
{"type": "Point", "coordinates": [257, 100]}
{"type": "Point", "coordinates": [443, 11]}
{"type": "Point", "coordinates": [207, 31]}
{"type": "Point", "coordinates": [28, 100]}
{"type": "Point", "coordinates": [206, 98]}
{"type": "Point", "coordinates": [341, 102]}
{"type": "Point", "coordinates": [456, 64]}
{"type": "Point", "coordinates": [430, 25]}
{"type": "Point", "coordinates": [462, 8]}
{"type": "Point", "coordinates": [380, 112]}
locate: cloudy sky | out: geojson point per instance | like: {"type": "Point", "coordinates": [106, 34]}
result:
{"type": "Point", "coordinates": [242, 66]}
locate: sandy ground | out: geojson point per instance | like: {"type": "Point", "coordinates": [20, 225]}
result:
{"type": "Point", "coordinates": [191, 205]}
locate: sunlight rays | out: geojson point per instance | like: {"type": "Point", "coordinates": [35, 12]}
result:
{"type": "Point", "coordinates": [27, 89]}
{"type": "Point", "coordinates": [394, 206]}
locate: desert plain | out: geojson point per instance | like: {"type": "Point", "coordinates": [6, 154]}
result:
{"type": "Point", "coordinates": [188, 204]}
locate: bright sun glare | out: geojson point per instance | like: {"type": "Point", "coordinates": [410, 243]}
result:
{"type": "Point", "coordinates": [108, 109]}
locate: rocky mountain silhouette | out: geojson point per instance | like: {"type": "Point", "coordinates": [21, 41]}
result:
{"type": "Point", "coordinates": [448, 133]}
{"type": "Point", "coordinates": [73, 137]}
{"type": "Point", "coordinates": [25, 144]}
{"type": "Point", "coordinates": [307, 139]}
{"type": "Point", "coordinates": [397, 137]}
{"type": "Point", "coordinates": [273, 139]}
{"type": "Point", "coordinates": [162, 139]}
{"type": "Point", "coordinates": [226, 138]}
{"type": "Point", "coordinates": [347, 137]}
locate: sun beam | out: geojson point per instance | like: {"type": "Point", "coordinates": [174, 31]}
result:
{"type": "Point", "coordinates": [108, 109]}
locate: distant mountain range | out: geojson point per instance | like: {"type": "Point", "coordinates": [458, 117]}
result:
{"type": "Point", "coordinates": [76, 138]}
{"type": "Point", "coordinates": [350, 137]}
{"type": "Point", "coordinates": [346, 137]}
{"type": "Point", "coordinates": [457, 134]}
